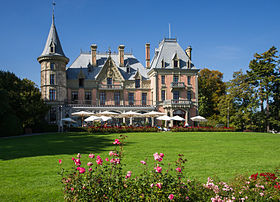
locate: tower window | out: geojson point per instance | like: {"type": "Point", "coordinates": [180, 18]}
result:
{"type": "Point", "coordinates": [175, 79]}
{"type": "Point", "coordinates": [52, 66]}
{"type": "Point", "coordinates": [189, 95]}
{"type": "Point", "coordinates": [162, 63]}
{"type": "Point", "coordinates": [175, 61]}
{"type": "Point", "coordinates": [52, 95]}
{"type": "Point", "coordinates": [81, 83]}
{"type": "Point", "coordinates": [162, 95]}
{"type": "Point", "coordinates": [52, 79]}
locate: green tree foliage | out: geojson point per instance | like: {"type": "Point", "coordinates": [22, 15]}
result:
{"type": "Point", "coordinates": [210, 88]}
{"type": "Point", "coordinates": [21, 104]}
{"type": "Point", "coordinates": [264, 75]}
{"type": "Point", "coordinates": [239, 106]}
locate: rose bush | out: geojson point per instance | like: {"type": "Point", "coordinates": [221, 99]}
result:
{"type": "Point", "coordinates": [106, 181]}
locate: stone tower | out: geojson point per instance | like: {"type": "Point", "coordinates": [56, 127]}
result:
{"type": "Point", "coordinates": [53, 69]}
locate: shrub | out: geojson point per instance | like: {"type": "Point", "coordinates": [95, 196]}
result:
{"type": "Point", "coordinates": [122, 129]}
{"type": "Point", "coordinates": [105, 180]}
{"type": "Point", "coordinates": [202, 129]}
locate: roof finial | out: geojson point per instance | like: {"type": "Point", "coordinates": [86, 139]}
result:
{"type": "Point", "coordinates": [110, 51]}
{"type": "Point", "coordinates": [53, 3]}
{"type": "Point", "coordinates": [169, 31]}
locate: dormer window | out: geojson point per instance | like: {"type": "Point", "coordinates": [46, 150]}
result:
{"type": "Point", "coordinates": [128, 69]}
{"type": "Point", "coordinates": [137, 83]}
{"type": "Point", "coordinates": [81, 83]}
{"type": "Point", "coordinates": [52, 48]}
{"type": "Point", "coordinates": [175, 61]}
{"type": "Point", "coordinates": [52, 66]}
{"type": "Point", "coordinates": [162, 64]}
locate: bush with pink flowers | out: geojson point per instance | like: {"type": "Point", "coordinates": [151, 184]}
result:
{"type": "Point", "coordinates": [103, 179]}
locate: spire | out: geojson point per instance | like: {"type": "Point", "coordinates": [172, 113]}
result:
{"type": "Point", "coordinates": [53, 46]}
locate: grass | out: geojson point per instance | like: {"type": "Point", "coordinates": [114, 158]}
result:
{"type": "Point", "coordinates": [29, 165]}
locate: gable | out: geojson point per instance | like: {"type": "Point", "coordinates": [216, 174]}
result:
{"type": "Point", "coordinates": [109, 70]}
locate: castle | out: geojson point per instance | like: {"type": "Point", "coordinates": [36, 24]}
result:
{"type": "Point", "coordinates": [118, 81]}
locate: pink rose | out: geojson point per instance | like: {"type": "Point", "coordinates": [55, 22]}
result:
{"type": "Point", "coordinates": [161, 155]}
{"type": "Point", "coordinates": [99, 161]}
{"type": "Point", "coordinates": [73, 159]}
{"type": "Point", "coordinates": [151, 185]}
{"type": "Point", "coordinates": [111, 153]}
{"type": "Point", "coordinates": [159, 185]}
{"type": "Point", "coordinates": [157, 157]}
{"type": "Point", "coordinates": [118, 161]}
{"type": "Point", "coordinates": [112, 161]}
{"type": "Point", "coordinates": [78, 155]}
{"type": "Point", "coordinates": [171, 196]}
{"type": "Point", "coordinates": [72, 189]}
{"type": "Point", "coordinates": [143, 162]}
{"type": "Point", "coordinates": [91, 156]}
{"type": "Point", "coordinates": [59, 161]}
{"type": "Point", "coordinates": [77, 162]}
{"type": "Point", "coordinates": [117, 141]}
{"type": "Point", "coordinates": [90, 169]}
{"type": "Point", "coordinates": [128, 175]}
{"type": "Point", "coordinates": [82, 170]}
{"type": "Point", "coordinates": [158, 169]}
{"type": "Point", "coordinates": [89, 163]}
{"type": "Point", "coordinates": [179, 169]}
{"type": "Point", "coordinates": [106, 159]}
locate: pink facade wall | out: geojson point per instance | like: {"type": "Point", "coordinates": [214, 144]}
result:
{"type": "Point", "coordinates": [81, 95]}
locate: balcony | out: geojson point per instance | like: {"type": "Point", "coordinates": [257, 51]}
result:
{"type": "Point", "coordinates": [110, 87]}
{"type": "Point", "coordinates": [178, 85]}
{"type": "Point", "coordinates": [177, 103]}
{"type": "Point", "coordinates": [116, 104]}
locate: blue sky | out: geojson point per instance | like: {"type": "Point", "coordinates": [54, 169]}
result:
{"type": "Point", "coordinates": [224, 34]}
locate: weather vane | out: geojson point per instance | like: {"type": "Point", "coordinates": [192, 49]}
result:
{"type": "Point", "coordinates": [53, 3]}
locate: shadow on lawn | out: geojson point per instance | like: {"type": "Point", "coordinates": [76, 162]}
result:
{"type": "Point", "coordinates": [53, 144]}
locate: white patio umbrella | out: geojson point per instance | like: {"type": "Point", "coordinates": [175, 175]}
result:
{"type": "Point", "coordinates": [92, 118]}
{"type": "Point", "coordinates": [82, 114]}
{"type": "Point", "coordinates": [68, 120]}
{"type": "Point", "coordinates": [177, 118]}
{"type": "Point", "coordinates": [130, 114]}
{"type": "Point", "coordinates": [153, 114]}
{"type": "Point", "coordinates": [105, 118]}
{"type": "Point", "coordinates": [106, 113]}
{"type": "Point", "coordinates": [164, 118]}
{"type": "Point", "coordinates": [198, 119]}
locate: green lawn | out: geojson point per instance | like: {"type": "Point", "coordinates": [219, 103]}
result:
{"type": "Point", "coordinates": [29, 165]}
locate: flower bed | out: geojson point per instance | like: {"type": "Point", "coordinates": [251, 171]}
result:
{"type": "Point", "coordinates": [105, 180]}
{"type": "Point", "coordinates": [121, 129]}
{"type": "Point", "coordinates": [202, 129]}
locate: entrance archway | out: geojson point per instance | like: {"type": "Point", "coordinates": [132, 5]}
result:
{"type": "Point", "coordinates": [181, 113]}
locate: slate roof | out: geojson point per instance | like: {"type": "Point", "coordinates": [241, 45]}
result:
{"type": "Point", "coordinates": [83, 63]}
{"type": "Point", "coordinates": [166, 51]}
{"type": "Point", "coordinates": [53, 38]}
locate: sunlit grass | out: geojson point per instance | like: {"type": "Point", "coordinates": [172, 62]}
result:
{"type": "Point", "coordinates": [29, 165]}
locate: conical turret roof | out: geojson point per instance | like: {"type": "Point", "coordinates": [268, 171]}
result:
{"type": "Point", "coordinates": [53, 46]}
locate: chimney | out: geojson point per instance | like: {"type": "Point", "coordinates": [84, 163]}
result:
{"type": "Point", "coordinates": [189, 52]}
{"type": "Point", "coordinates": [147, 55]}
{"type": "Point", "coordinates": [93, 48]}
{"type": "Point", "coordinates": [121, 55]}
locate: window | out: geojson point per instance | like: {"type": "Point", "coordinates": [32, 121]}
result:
{"type": "Point", "coordinates": [52, 66]}
{"type": "Point", "coordinates": [137, 83]}
{"type": "Point", "coordinates": [131, 98]}
{"type": "Point", "coordinates": [144, 98]}
{"type": "Point", "coordinates": [162, 63]}
{"type": "Point", "coordinates": [52, 94]}
{"type": "Point", "coordinates": [176, 63]}
{"type": "Point", "coordinates": [52, 79]}
{"type": "Point", "coordinates": [74, 95]}
{"type": "Point", "coordinates": [102, 98]}
{"type": "Point", "coordinates": [189, 80]}
{"type": "Point", "coordinates": [128, 69]}
{"type": "Point", "coordinates": [163, 79]}
{"type": "Point", "coordinates": [189, 95]}
{"type": "Point", "coordinates": [176, 95]}
{"type": "Point", "coordinates": [53, 115]}
{"type": "Point", "coordinates": [109, 82]}
{"type": "Point", "coordinates": [117, 98]}
{"type": "Point", "coordinates": [162, 95]}
{"type": "Point", "coordinates": [81, 83]}
{"type": "Point", "coordinates": [52, 49]}
{"type": "Point", "coordinates": [87, 95]}
{"type": "Point", "coordinates": [175, 79]}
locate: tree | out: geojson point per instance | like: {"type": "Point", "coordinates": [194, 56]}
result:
{"type": "Point", "coordinates": [239, 104]}
{"type": "Point", "coordinates": [210, 88]}
{"type": "Point", "coordinates": [21, 99]}
{"type": "Point", "coordinates": [263, 75]}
